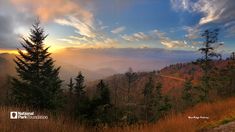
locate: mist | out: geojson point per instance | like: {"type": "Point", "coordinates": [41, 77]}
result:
{"type": "Point", "coordinates": [100, 63]}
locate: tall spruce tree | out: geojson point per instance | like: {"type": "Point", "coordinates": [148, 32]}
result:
{"type": "Point", "coordinates": [208, 51]}
{"type": "Point", "coordinates": [38, 84]}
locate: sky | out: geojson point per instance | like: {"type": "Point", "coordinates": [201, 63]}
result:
{"type": "Point", "coordinates": [165, 24]}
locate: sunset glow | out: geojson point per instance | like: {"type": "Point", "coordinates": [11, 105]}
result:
{"type": "Point", "coordinates": [9, 51]}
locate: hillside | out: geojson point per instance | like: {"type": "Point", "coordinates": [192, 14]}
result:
{"type": "Point", "coordinates": [172, 78]}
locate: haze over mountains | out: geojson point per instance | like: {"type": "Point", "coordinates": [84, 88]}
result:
{"type": "Point", "coordinates": [105, 62]}
{"type": "Point", "coordinates": [100, 63]}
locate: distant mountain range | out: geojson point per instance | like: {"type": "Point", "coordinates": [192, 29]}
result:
{"type": "Point", "coordinates": [101, 63]}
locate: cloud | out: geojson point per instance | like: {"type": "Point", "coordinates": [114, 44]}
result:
{"type": "Point", "coordinates": [158, 33]}
{"type": "Point", "coordinates": [8, 39]}
{"type": "Point", "coordinates": [118, 30]}
{"type": "Point", "coordinates": [80, 38]}
{"type": "Point", "coordinates": [192, 32]}
{"type": "Point", "coordinates": [169, 43]}
{"type": "Point", "coordinates": [82, 27]}
{"type": "Point", "coordinates": [172, 43]}
{"type": "Point", "coordinates": [180, 4]}
{"type": "Point", "coordinates": [100, 41]}
{"type": "Point", "coordinates": [157, 36]}
{"type": "Point", "coordinates": [215, 11]}
{"type": "Point", "coordinates": [230, 26]}
{"type": "Point", "coordinates": [88, 35]}
{"type": "Point", "coordinates": [66, 40]}
{"type": "Point", "coordinates": [64, 12]}
{"type": "Point", "coordinates": [139, 36]}
{"type": "Point", "coordinates": [12, 24]}
{"type": "Point", "coordinates": [218, 11]}
{"type": "Point", "coordinates": [49, 10]}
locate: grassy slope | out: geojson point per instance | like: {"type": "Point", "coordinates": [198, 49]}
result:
{"type": "Point", "coordinates": [217, 113]}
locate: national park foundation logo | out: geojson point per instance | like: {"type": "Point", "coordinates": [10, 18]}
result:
{"type": "Point", "coordinates": [26, 115]}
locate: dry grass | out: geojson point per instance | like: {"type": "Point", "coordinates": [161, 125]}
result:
{"type": "Point", "coordinates": [217, 111]}
{"type": "Point", "coordinates": [180, 123]}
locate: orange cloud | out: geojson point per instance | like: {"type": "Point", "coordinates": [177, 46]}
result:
{"type": "Point", "coordinates": [49, 10]}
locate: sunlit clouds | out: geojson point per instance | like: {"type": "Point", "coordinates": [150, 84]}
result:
{"type": "Point", "coordinates": [173, 24]}
{"type": "Point", "coordinates": [83, 28]}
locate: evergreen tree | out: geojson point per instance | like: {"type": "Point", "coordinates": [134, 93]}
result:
{"type": "Point", "coordinates": [148, 96]}
{"type": "Point", "coordinates": [231, 77]}
{"type": "Point", "coordinates": [102, 104]}
{"type": "Point", "coordinates": [38, 84]}
{"type": "Point", "coordinates": [103, 94]}
{"type": "Point", "coordinates": [70, 108]}
{"type": "Point", "coordinates": [131, 77]}
{"type": "Point", "coordinates": [232, 57]}
{"type": "Point", "coordinates": [161, 103]}
{"type": "Point", "coordinates": [211, 39]}
{"type": "Point", "coordinates": [79, 85]}
{"type": "Point", "coordinates": [81, 99]}
{"type": "Point", "coordinates": [158, 91]}
{"type": "Point", "coordinates": [71, 86]}
{"type": "Point", "coordinates": [225, 80]}
{"type": "Point", "coordinates": [115, 82]}
{"type": "Point", "coordinates": [187, 93]}
{"type": "Point", "coordinates": [156, 104]}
